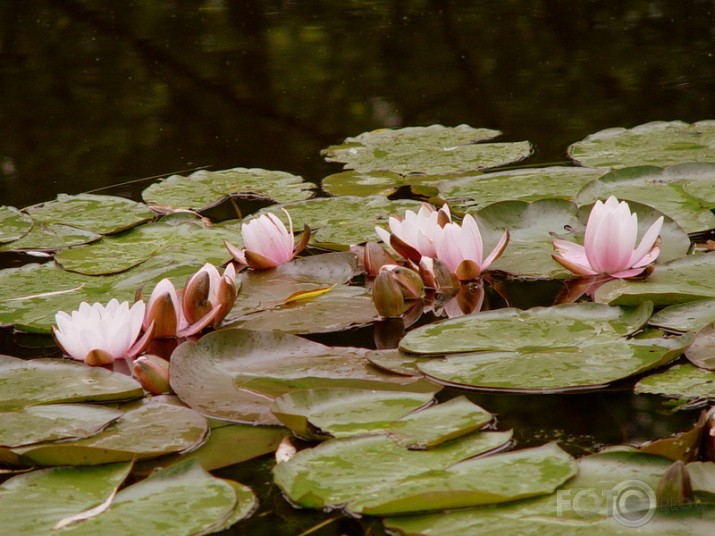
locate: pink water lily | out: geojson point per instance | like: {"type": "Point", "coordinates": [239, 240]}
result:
{"type": "Point", "coordinates": [610, 243]}
{"type": "Point", "coordinates": [267, 242]}
{"type": "Point", "coordinates": [415, 235]}
{"type": "Point", "coordinates": [460, 247]}
{"type": "Point", "coordinates": [99, 334]}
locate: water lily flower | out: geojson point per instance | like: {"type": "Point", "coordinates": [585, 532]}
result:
{"type": "Point", "coordinates": [460, 247]}
{"type": "Point", "coordinates": [267, 242]}
{"type": "Point", "coordinates": [99, 334]}
{"type": "Point", "coordinates": [415, 235]}
{"type": "Point", "coordinates": [610, 243]}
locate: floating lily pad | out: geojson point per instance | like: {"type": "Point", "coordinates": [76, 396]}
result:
{"type": "Point", "coordinates": [684, 381]}
{"type": "Point", "coordinates": [674, 191]}
{"type": "Point", "coordinates": [380, 183]}
{"type": "Point", "coordinates": [47, 381]}
{"type": "Point", "coordinates": [431, 150]}
{"type": "Point", "coordinates": [235, 374]}
{"type": "Point", "coordinates": [101, 214]}
{"type": "Point", "coordinates": [373, 475]}
{"type": "Point", "coordinates": [339, 308]}
{"type": "Point", "coordinates": [51, 237]}
{"type": "Point", "coordinates": [53, 422]}
{"type": "Point", "coordinates": [264, 290]}
{"type": "Point", "coordinates": [204, 189]}
{"type": "Point", "coordinates": [658, 143]}
{"type": "Point", "coordinates": [533, 226]}
{"type": "Point", "coordinates": [701, 352]}
{"type": "Point", "coordinates": [151, 430]}
{"type": "Point", "coordinates": [39, 502]}
{"type": "Point", "coordinates": [612, 495]}
{"type": "Point", "coordinates": [573, 346]}
{"type": "Point", "coordinates": [678, 281]}
{"type": "Point", "coordinates": [14, 224]}
{"type": "Point", "coordinates": [690, 316]}
{"type": "Point", "coordinates": [338, 222]}
{"type": "Point", "coordinates": [171, 236]}
{"type": "Point", "coordinates": [531, 184]}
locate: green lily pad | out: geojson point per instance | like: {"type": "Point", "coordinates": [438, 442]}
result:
{"type": "Point", "coordinates": [689, 316]}
{"type": "Point", "coordinates": [47, 381]}
{"type": "Point", "coordinates": [148, 431]}
{"type": "Point", "coordinates": [613, 494]}
{"type": "Point", "coordinates": [373, 475]}
{"type": "Point", "coordinates": [204, 189]}
{"type": "Point", "coordinates": [14, 224]}
{"type": "Point", "coordinates": [53, 422]}
{"type": "Point", "coordinates": [101, 214]}
{"type": "Point", "coordinates": [531, 184]}
{"type": "Point", "coordinates": [533, 226]}
{"type": "Point", "coordinates": [395, 361]}
{"type": "Point", "coordinates": [338, 222]}
{"type": "Point", "coordinates": [340, 308]}
{"type": "Point", "coordinates": [681, 280]}
{"type": "Point", "coordinates": [658, 143]}
{"type": "Point", "coordinates": [684, 381]}
{"type": "Point", "coordinates": [430, 150]}
{"type": "Point", "coordinates": [380, 183]}
{"type": "Point", "coordinates": [51, 237]}
{"type": "Point", "coordinates": [267, 290]}
{"type": "Point", "coordinates": [171, 236]}
{"type": "Point", "coordinates": [674, 191]}
{"type": "Point", "coordinates": [572, 346]}
{"type": "Point", "coordinates": [235, 374]}
{"type": "Point", "coordinates": [701, 352]}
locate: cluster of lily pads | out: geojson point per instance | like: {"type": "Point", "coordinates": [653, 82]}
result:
{"type": "Point", "coordinates": [225, 373]}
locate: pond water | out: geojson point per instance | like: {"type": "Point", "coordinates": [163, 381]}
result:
{"type": "Point", "coordinates": [103, 98]}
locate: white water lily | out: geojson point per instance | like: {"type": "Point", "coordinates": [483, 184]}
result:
{"type": "Point", "coordinates": [99, 334]}
{"type": "Point", "coordinates": [415, 235]}
{"type": "Point", "coordinates": [610, 243]}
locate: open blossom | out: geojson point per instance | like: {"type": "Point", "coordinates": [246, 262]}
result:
{"type": "Point", "coordinates": [415, 235]}
{"type": "Point", "coordinates": [460, 247]}
{"type": "Point", "coordinates": [205, 301]}
{"type": "Point", "coordinates": [98, 334]}
{"type": "Point", "coordinates": [267, 242]}
{"type": "Point", "coordinates": [610, 243]}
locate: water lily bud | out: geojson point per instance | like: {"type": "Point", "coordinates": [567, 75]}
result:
{"type": "Point", "coordinates": [226, 295]}
{"type": "Point", "coordinates": [437, 275]}
{"type": "Point", "coordinates": [387, 295]}
{"type": "Point", "coordinates": [674, 487]}
{"type": "Point", "coordinates": [410, 281]}
{"type": "Point", "coordinates": [375, 258]}
{"type": "Point", "coordinates": [153, 373]}
{"type": "Point", "coordinates": [196, 296]}
{"type": "Point", "coordinates": [164, 310]}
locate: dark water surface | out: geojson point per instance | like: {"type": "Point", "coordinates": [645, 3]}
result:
{"type": "Point", "coordinates": [98, 93]}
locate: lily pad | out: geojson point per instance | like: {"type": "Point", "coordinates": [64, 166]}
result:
{"type": "Point", "coordinates": [572, 346]}
{"type": "Point", "coordinates": [684, 381]}
{"type": "Point", "coordinates": [689, 316]}
{"type": "Point", "coordinates": [674, 191]}
{"type": "Point", "coordinates": [46, 381]}
{"type": "Point", "coordinates": [338, 222]}
{"type": "Point", "coordinates": [380, 183]}
{"type": "Point", "coordinates": [613, 494]}
{"type": "Point", "coordinates": [701, 352]}
{"type": "Point", "coordinates": [204, 189]}
{"type": "Point", "coordinates": [14, 224]}
{"type": "Point", "coordinates": [430, 150]}
{"type": "Point", "coordinates": [171, 236]}
{"type": "Point", "coordinates": [101, 214]}
{"type": "Point", "coordinates": [235, 374]}
{"type": "Point", "coordinates": [373, 475]}
{"type": "Point", "coordinates": [51, 237]}
{"type": "Point", "coordinates": [53, 422]}
{"type": "Point", "coordinates": [658, 143]}
{"type": "Point", "coordinates": [530, 184]}
{"type": "Point", "coordinates": [681, 280]}
{"type": "Point", "coordinates": [148, 431]}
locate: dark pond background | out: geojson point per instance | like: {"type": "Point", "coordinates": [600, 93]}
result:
{"type": "Point", "coordinates": [97, 93]}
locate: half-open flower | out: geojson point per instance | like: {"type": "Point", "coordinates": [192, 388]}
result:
{"type": "Point", "coordinates": [98, 334]}
{"type": "Point", "coordinates": [267, 242]}
{"type": "Point", "coordinates": [610, 243]}
{"type": "Point", "coordinates": [415, 235]}
{"type": "Point", "coordinates": [164, 310]}
{"type": "Point", "coordinates": [209, 296]}
{"type": "Point", "coordinates": [461, 248]}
